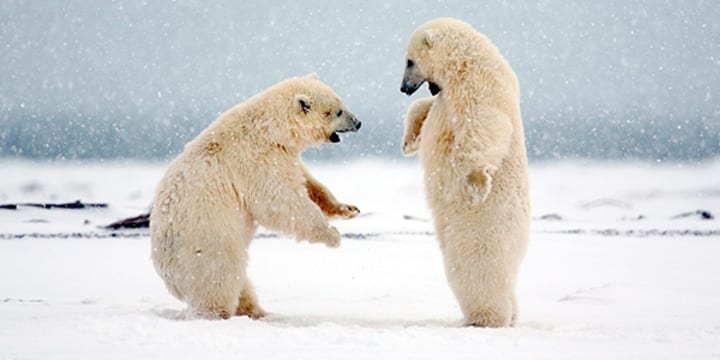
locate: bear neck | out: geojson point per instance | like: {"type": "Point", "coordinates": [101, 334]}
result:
{"type": "Point", "coordinates": [251, 127]}
{"type": "Point", "coordinates": [478, 81]}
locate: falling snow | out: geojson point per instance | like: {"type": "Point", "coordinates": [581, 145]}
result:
{"type": "Point", "coordinates": [622, 261]}
{"type": "Point", "coordinates": [137, 79]}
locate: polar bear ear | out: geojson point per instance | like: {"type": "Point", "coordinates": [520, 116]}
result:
{"type": "Point", "coordinates": [312, 75]}
{"type": "Point", "coordinates": [302, 103]}
{"type": "Point", "coordinates": [429, 38]}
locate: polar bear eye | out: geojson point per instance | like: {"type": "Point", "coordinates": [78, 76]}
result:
{"type": "Point", "coordinates": [327, 113]}
{"type": "Point", "coordinates": [410, 63]}
{"type": "Point", "coordinates": [339, 113]}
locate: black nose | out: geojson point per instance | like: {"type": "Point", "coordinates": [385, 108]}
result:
{"type": "Point", "coordinates": [409, 88]}
{"type": "Point", "coordinates": [358, 125]}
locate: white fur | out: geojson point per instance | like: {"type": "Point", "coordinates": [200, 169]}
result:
{"type": "Point", "coordinates": [244, 170]}
{"type": "Point", "coordinates": [472, 147]}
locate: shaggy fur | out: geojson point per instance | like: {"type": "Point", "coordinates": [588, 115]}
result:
{"type": "Point", "coordinates": [245, 170]}
{"type": "Point", "coordinates": [470, 138]}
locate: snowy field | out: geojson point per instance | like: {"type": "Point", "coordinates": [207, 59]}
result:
{"type": "Point", "coordinates": [612, 272]}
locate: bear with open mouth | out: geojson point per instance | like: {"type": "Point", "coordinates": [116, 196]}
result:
{"type": "Point", "coordinates": [243, 171]}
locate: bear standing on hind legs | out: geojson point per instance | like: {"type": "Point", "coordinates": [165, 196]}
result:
{"type": "Point", "coordinates": [245, 170]}
{"type": "Point", "coordinates": [472, 146]}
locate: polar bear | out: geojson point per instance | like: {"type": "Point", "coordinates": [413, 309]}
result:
{"type": "Point", "coordinates": [470, 138]}
{"type": "Point", "coordinates": [244, 170]}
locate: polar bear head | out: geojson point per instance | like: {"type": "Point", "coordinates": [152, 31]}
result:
{"type": "Point", "coordinates": [437, 53]}
{"type": "Point", "coordinates": [316, 114]}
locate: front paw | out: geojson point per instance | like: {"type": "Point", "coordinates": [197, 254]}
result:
{"type": "Point", "coordinates": [410, 146]}
{"type": "Point", "coordinates": [328, 235]}
{"type": "Point", "coordinates": [346, 211]}
{"type": "Point", "coordinates": [479, 183]}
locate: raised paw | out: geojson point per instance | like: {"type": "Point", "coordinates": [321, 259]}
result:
{"type": "Point", "coordinates": [348, 211]}
{"type": "Point", "coordinates": [410, 146]}
{"type": "Point", "coordinates": [328, 235]}
{"type": "Point", "coordinates": [479, 183]}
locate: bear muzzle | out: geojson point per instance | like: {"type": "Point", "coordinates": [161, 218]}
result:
{"type": "Point", "coordinates": [353, 125]}
{"type": "Point", "coordinates": [410, 88]}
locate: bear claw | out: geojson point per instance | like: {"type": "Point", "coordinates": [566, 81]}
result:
{"type": "Point", "coordinates": [348, 211]}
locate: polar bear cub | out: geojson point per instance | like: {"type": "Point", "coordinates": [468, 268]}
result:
{"type": "Point", "coordinates": [471, 142]}
{"type": "Point", "coordinates": [245, 170]}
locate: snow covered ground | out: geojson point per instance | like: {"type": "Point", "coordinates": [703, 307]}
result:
{"type": "Point", "coordinates": [610, 273]}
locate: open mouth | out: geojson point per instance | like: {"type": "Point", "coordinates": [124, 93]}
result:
{"type": "Point", "coordinates": [409, 88]}
{"type": "Point", "coordinates": [335, 138]}
{"type": "Point", "coordinates": [434, 88]}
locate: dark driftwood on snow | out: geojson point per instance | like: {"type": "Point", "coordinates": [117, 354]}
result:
{"type": "Point", "coordinates": [71, 205]}
{"type": "Point", "coordinates": [700, 214]}
{"type": "Point", "coordinates": [137, 222]}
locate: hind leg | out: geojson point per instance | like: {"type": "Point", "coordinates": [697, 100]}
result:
{"type": "Point", "coordinates": [488, 312]}
{"type": "Point", "coordinates": [484, 301]}
{"type": "Point", "coordinates": [483, 308]}
{"type": "Point", "coordinates": [480, 285]}
{"type": "Point", "coordinates": [248, 304]}
{"type": "Point", "coordinates": [216, 282]}
{"type": "Point", "coordinates": [217, 301]}
{"type": "Point", "coordinates": [206, 288]}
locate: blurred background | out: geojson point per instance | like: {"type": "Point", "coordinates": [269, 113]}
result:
{"type": "Point", "coordinates": [138, 79]}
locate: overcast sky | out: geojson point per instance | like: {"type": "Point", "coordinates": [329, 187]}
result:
{"type": "Point", "coordinates": [140, 78]}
